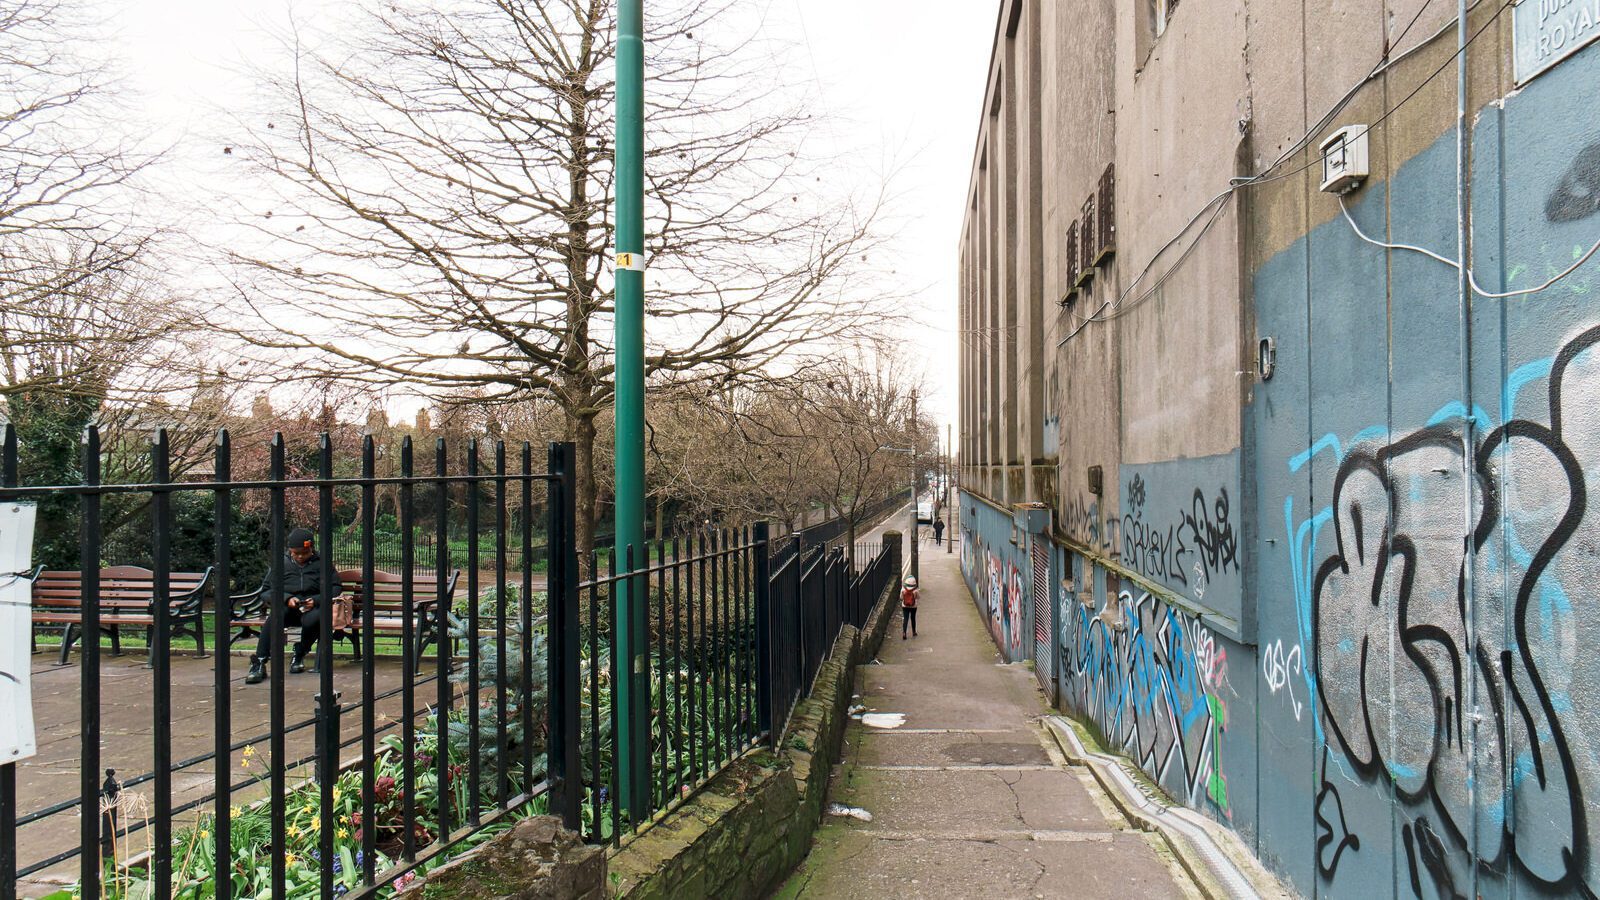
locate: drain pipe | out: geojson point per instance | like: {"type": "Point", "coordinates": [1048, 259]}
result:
{"type": "Point", "coordinates": [1468, 439]}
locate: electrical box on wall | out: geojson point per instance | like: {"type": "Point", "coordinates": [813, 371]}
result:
{"type": "Point", "coordinates": [1344, 159]}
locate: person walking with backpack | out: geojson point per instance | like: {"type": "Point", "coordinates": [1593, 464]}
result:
{"type": "Point", "coordinates": [909, 595]}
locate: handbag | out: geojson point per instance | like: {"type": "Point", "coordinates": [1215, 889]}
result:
{"type": "Point", "coordinates": [344, 612]}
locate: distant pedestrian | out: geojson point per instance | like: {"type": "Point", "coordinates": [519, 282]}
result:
{"type": "Point", "coordinates": [938, 531]}
{"type": "Point", "coordinates": [909, 595]}
{"type": "Point", "coordinates": [300, 601]}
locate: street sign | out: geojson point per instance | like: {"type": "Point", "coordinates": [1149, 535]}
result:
{"type": "Point", "coordinates": [1544, 32]}
{"type": "Point", "coordinates": [16, 624]}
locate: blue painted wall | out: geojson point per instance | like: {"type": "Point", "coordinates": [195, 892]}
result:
{"type": "Point", "coordinates": [998, 573]}
{"type": "Point", "coordinates": [1373, 652]}
{"type": "Point", "coordinates": [1338, 738]}
{"type": "Point", "coordinates": [1180, 529]}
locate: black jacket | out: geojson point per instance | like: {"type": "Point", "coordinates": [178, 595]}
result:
{"type": "Point", "coordinates": [302, 581]}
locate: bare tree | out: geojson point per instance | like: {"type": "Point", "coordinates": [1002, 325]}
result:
{"type": "Point", "coordinates": [785, 446]}
{"type": "Point", "coordinates": [742, 453]}
{"type": "Point", "coordinates": [443, 215]}
{"type": "Point", "coordinates": [77, 306]}
{"type": "Point", "coordinates": [56, 159]}
{"type": "Point", "coordinates": [868, 411]}
{"type": "Point", "coordinates": [89, 336]}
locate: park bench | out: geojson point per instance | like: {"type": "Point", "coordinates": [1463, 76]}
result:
{"type": "Point", "coordinates": [388, 609]}
{"type": "Point", "coordinates": [126, 600]}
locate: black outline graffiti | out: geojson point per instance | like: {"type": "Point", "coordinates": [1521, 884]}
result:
{"type": "Point", "coordinates": [1348, 840]}
{"type": "Point", "coordinates": [1158, 551]}
{"type": "Point", "coordinates": [1514, 685]}
{"type": "Point", "coordinates": [1081, 521]}
{"type": "Point", "coordinates": [1136, 494]}
{"type": "Point", "coordinates": [1423, 841]}
{"type": "Point", "coordinates": [1577, 195]}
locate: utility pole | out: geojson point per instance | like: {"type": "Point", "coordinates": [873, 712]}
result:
{"type": "Point", "coordinates": [629, 611]}
{"type": "Point", "coordinates": [915, 535]}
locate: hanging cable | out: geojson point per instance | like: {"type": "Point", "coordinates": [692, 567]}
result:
{"type": "Point", "coordinates": [1265, 176]}
{"type": "Point", "coordinates": [1471, 276]}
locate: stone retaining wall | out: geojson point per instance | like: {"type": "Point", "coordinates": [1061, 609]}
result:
{"type": "Point", "coordinates": [753, 823]}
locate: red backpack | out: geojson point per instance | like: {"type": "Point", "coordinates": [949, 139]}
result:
{"type": "Point", "coordinates": [908, 598]}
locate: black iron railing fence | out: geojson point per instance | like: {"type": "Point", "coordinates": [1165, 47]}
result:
{"type": "Point", "coordinates": [446, 745]}
{"type": "Point", "coordinates": [510, 709]}
{"type": "Point", "coordinates": [813, 594]}
{"type": "Point", "coordinates": [698, 678]}
{"type": "Point", "coordinates": [835, 531]}
{"type": "Point", "coordinates": [388, 554]}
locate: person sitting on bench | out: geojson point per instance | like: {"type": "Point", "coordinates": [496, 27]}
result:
{"type": "Point", "coordinates": [300, 602]}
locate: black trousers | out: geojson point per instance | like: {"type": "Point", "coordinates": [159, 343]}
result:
{"type": "Point", "coordinates": [908, 619]}
{"type": "Point", "coordinates": [310, 629]}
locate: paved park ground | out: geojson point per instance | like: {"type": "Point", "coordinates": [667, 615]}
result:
{"type": "Point", "coordinates": [127, 743]}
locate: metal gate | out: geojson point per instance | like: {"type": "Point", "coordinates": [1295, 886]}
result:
{"type": "Point", "coordinates": [1043, 620]}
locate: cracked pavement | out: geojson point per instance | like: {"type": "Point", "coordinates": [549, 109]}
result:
{"type": "Point", "coordinates": [969, 798]}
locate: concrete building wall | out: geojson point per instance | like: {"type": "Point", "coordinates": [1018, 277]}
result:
{"type": "Point", "coordinates": [1292, 594]}
{"type": "Point", "coordinates": [1083, 369]}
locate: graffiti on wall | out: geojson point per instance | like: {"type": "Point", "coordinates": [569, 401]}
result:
{"type": "Point", "coordinates": [1280, 670]}
{"type": "Point", "coordinates": [1577, 194]}
{"type": "Point", "coordinates": [1180, 527]}
{"type": "Point", "coordinates": [1400, 667]}
{"type": "Point", "coordinates": [1082, 521]}
{"type": "Point", "coordinates": [1013, 622]}
{"type": "Point", "coordinates": [1189, 547]}
{"type": "Point", "coordinates": [1137, 670]}
{"type": "Point", "coordinates": [995, 574]}
{"type": "Point", "coordinates": [994, 581]}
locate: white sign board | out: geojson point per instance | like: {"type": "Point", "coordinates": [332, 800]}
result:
{"type": "Point", "coordinates": [16, 624]}
{"type": "Point", "coordinates": [1547, 31]}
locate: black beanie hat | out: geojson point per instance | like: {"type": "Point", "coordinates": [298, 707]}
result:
{"type": "Point", "coordinates": [298, 539]}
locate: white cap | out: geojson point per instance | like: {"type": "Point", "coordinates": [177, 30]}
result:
{"type": "Point", "coordinates": [911, 581]}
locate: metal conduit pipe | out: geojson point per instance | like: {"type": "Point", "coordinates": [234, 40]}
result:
{"type": "Point", "coordinates": [1468, 442]}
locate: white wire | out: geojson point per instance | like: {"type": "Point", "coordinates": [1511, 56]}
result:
{"type": "Point", "coordinates": [1471, 279]}
{"type": "Point", "coordinates": [1501, 296]}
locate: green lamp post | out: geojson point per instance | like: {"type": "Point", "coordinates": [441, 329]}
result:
{"type": "Point", "coordinates": [630, 602]}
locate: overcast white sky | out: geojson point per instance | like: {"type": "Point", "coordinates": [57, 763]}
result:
{"type": "Point", "coordinates": [903, 79]}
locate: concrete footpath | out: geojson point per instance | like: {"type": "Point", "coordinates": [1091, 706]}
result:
{"type": "Point", "coordinates": [969, 797]}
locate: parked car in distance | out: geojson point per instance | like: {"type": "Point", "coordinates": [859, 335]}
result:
{"type": "Point", "coordinates": [925, 511]}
